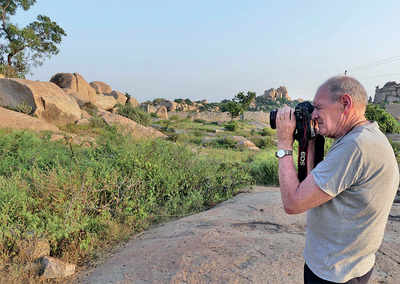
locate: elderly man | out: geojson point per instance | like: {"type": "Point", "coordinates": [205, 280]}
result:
{"type": "Point", "coordinates": [349, 194]}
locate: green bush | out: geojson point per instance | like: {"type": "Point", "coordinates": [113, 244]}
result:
{"type": "Point", "coordinates": [387, 123]}
{"type": "Point", "coordinates": [267, 131]}
{"type": "Point", "coordinates": [134, 113]}
{"type": "Point", "coordinates": [231, 126]}
{"type": "Point", "coordinates": [88, 198]}
{"type": "Point", "coordinates": [263, 142]}
{"type": "Point", "coordinates": [154, 115]}
{"type": "Point", "coordinates": [265, 171]}
{"type": "Point", "coordinates": [198, 120]}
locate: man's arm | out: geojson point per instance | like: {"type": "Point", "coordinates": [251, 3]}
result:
{"type": "Point", "coordinates": [299, 197]}
{"type": "Point", "coordinates": [296, 197]}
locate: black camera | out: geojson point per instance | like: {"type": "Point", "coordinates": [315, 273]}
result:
{"type": "Point", "coordinates": [302, 113]}
{"type": "Point", "coordinates": [303, 133]}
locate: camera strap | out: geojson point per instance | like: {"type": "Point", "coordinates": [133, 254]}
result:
{"type": "Point", "coordinates": [303, 155]}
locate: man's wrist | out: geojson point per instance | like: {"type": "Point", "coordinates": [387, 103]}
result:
{"type": "Point", "coordinates": [284, 146]}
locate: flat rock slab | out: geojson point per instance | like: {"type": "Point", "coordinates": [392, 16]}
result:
{"type": "Point", "coordinates": [248, 239]}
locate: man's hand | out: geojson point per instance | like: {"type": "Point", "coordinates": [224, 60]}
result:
{"type": "Point", "coordinates": [285, 126]}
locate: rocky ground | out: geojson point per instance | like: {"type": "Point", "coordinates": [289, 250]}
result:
{"type": "Point", "coordinates": [248, 239]}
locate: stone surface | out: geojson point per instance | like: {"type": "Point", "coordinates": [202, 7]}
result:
{"type": "Point", "coordinates": [120, 97]}
{"type": "Point", "coordinates": [135, 129]}
{"type": "Point", "coordinates": [16, 120]}
{"type": "Point", "coordinates": [244, 143]}
{"type": "Point", "coordinates": [37, 249]}
{"type": "Point", "coordinates": [76, 85]}
{"type": "Point", "coordinates": [394, 109]}
{"type": "Point", "coordinates": [101, 87]}
{"type": "Point", "coordinates": [106, 102]}
{"type": "Point", "coordinates": [389, 93]}
{"type": "Point", "coordinates": [162, 112]}
{"type": "Point", "coordinates": [248, 239]}
{"type": "Point", "coordinates": [132, 101]}
{"type": "Point", "coordinates": [55, 268]}
{"type": "Point", "coordinates": [83, 121]}
{"type": "Point", "coordinates": [47, 101]}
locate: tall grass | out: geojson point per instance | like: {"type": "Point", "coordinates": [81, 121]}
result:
{"type": "Point", "coordinates": [88, 198]}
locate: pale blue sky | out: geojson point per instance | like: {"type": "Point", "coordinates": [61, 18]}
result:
{"type": "Point", "coordinates": [214, 49]}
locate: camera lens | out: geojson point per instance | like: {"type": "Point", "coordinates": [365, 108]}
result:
{"type": "Point", "coordinates": [272, 118]}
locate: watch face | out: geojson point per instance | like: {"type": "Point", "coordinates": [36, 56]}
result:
{"type": "Point", "coordinates": [280, 153]}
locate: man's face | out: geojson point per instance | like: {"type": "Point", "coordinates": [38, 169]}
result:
{"type": "Point", "coordinates": [328, 114]}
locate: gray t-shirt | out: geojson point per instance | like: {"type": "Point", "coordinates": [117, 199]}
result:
{"type": "Point", "coordinates": [361, 173]}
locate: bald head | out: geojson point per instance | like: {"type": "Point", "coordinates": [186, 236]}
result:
{"type": "Point", "coordinates": [340, 85]}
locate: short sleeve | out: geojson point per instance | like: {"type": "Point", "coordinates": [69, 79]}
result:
{"type": "Point", "coordinates": [340, 168]}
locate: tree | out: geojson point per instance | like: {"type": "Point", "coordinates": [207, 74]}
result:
{"type": "Point", "coordinates": [387, 123]}
{"type": "Point", "coordinates": [238, 104]}
{"type": "Point", "coordinates": [234, 108]}
{"type": "Point", "coordinates": [22, 48]}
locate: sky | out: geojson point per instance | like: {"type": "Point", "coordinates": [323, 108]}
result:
{"type": "Point", "coordinates": [214, 49]}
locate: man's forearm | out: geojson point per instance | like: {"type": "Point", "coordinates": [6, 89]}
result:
{"type": "Point", "coordinates": [289, 182]}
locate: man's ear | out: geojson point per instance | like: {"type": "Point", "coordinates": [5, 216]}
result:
{"type": "Point", "coordinates": [347, 102]}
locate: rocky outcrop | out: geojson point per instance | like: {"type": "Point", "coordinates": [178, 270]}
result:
{"type": "Point", "coordinates": [75, 85]}
{"type": "Point", "coordinates": [273, 94]}
{"type": "Point", "coordinates": [101, 87]}
{"type": "Point", "coordinates": [393, 109]}
{"type": "Point", "coordinates": [54, 268]}
{"type": "Point", "coordinates": [389, 93]}
{"type": "Point", "coordinates": [46, 100]}
{"type": "Point", "coordinates": [16, 120]}
{"type": "Point", "coordinates": [132, 101]}
{"type": "Point", "coordinates": [135, 129]}
{"type": "Point", "coordinates": [106, 102]}
{"type": "Point", "coordinates": [171, 106]}
{"type": "Point", "coordinates": [162, 112]}
{"type": "Point", "coordinates": [120, 97]}
{"type": "Point", "coordinates": [148, 108]}
{"type": "Point", "coordinates": [243, 143]}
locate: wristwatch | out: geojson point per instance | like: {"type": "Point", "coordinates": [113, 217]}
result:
{"type": "Point", "coordinates": [282, 153]}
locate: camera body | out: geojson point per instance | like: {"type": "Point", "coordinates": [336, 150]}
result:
{"type": "Point", "coordinates": [303, 133]}
{"type": "Point", "coordinates": [304, 128]}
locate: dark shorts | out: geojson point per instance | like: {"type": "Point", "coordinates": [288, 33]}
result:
{"type": "Point", "coordinates": [311, 278]}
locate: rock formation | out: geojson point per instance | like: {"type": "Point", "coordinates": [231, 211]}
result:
{"type": "Point", "coordinates": [162, 112]}
{"type": "Point", "coordinates": [279, 93]}
{"type": "Point", "coordinates": [101, 87]}
{"type": "Point", "coordinates": [389, 93]}
{"type": "Point", "coordinates": [46, 100]}
{"type": "Point", "coordinates": [120, 97]}
{"type": "Point", "coordinates": [75, 85]}
{"type": "Point", "coordinates": [16, 120]}
{"type": "Point", "coordinates": [137, 130]}
{"type": "Point", "coordinates": [132, 101]}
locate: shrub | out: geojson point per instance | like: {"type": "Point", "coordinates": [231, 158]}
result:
{"type": "Point", "coordinates": [231, 126]}
{"type": "Point", "coordinates": [174, 117]}
{"type": "Point", "coordinates": [265, 171]}
{"type": "Point", "coordinates": [154, 115]}
{"type": "Point", "coordinates": [92, 197]}
{"type": "Point", "coordinates": [387, 123]}
{"type": "Point", "coordinates": [263, 142]}
{"type": "Point", "coordinates": [267, 131]}
{"type": "Point", "coordinates": [134, 113]}
{"type": "Point", "coordinates": [198, 120]}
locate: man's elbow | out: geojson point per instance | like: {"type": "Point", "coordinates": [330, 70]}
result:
{"type": "Point", "coordinates": [292, 210]}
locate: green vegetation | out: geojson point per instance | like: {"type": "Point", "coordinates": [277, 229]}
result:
{"type": "Point", "coordinates": [387, 123]}
{"type": "Point", "coordinates": [84, 199]}
{"type": "Point", "coordinates": [135, 114]}
{"type": "Point", "coordinates": [238, 104]}
{"type": "Point", "coordinates": [25, 47]}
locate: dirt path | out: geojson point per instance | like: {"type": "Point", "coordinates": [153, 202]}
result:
{"type": "Point", "coordinates": [248, 239]}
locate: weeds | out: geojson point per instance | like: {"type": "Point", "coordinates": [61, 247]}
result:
{"type": "Point", "coordinates": [89, 198]}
